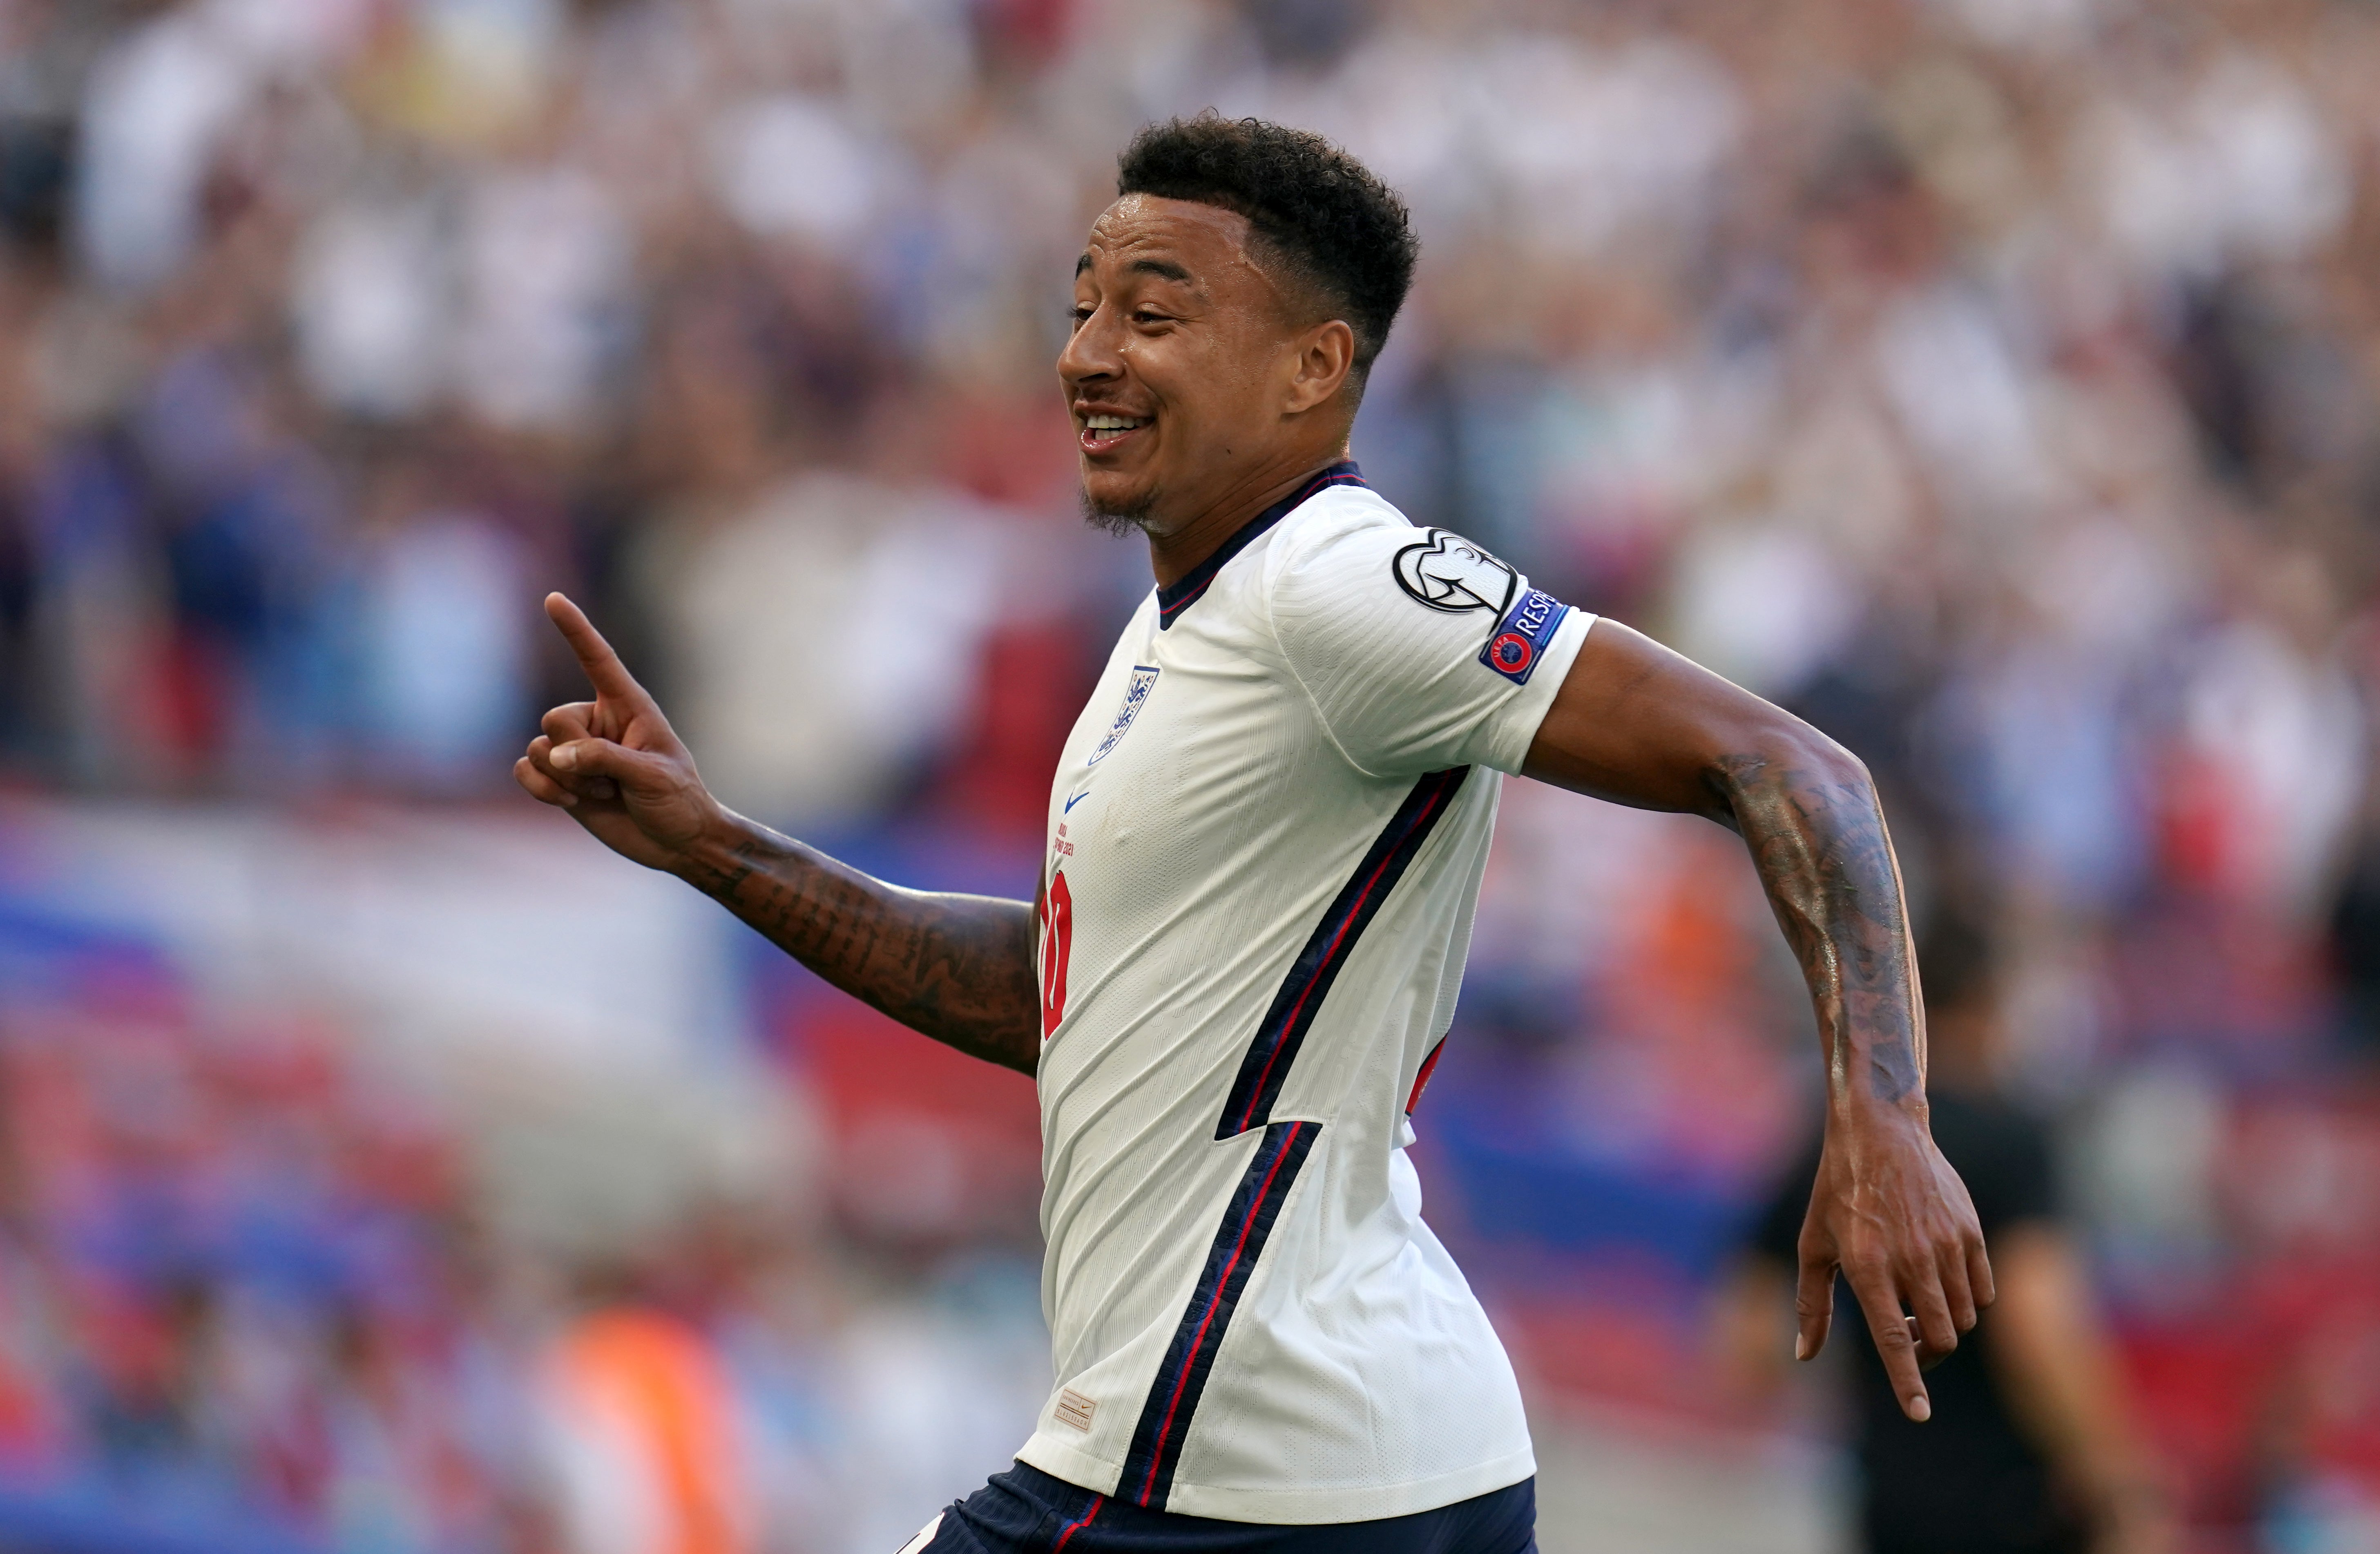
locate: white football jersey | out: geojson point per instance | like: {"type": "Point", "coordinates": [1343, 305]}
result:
{"type": "Point", "coordinates": [1266, 839]}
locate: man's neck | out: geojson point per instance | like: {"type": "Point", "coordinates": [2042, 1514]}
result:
{"type": "Point", "coordinates": [1177, 552]}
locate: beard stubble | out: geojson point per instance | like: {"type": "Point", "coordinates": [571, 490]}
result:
{"type": "Point", "coordinates": [1127, 518]}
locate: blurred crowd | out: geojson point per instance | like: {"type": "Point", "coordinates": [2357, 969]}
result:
{"type": "Point", "coordinates": [238, 1287]}
{"type": "Point", "coordinates": [251, 1303]}
{"type": "Point", "coordinates": [1994, 381]}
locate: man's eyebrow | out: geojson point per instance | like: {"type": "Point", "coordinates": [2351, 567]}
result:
{"type": "Point", "coordinates": [1163, 268]}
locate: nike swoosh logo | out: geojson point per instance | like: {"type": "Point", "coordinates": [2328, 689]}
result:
{"type": "Point", "coordinates": [1076, 800]}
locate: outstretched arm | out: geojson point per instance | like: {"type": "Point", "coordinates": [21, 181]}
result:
{"type": "Point", "coordinates": [1635, 723]}
{"type": "Point", "coordinates": [958, 967]}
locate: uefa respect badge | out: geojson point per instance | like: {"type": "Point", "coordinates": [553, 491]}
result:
{"type": "Point", "coordinates": [1519, 639]}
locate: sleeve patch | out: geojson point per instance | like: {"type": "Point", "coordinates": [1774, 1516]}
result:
{"type": "Point", "coordinates": [1522, 635]}
{"type": "Point", "coordinates": [1447, 572]}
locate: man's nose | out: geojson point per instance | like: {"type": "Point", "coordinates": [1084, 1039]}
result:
{"type": "Point", "coordinates": [1091, 352]}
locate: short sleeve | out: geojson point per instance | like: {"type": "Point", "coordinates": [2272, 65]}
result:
{"type": "Point", "coordinates": [1419, 650]}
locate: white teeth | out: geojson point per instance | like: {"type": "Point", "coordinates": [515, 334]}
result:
{"type": "Point", "coordinates": [1108, 423]}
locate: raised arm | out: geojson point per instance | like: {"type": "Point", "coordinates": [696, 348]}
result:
{"type": "Point", "coordinates": [958, 968]}
{"type": "Point", "coordinates": [1636, 724]}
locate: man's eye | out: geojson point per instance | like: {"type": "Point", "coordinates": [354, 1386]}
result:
{"type": "Point", "coordinates": [1145, 316]}
{"type": "Point", "coordinates": [1078, 316]}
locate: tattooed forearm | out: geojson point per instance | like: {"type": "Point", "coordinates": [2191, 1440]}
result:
{"type": "Point", "coordinates": [958, 967]}
{"type": "Point", "coordinates": [1818, 837]}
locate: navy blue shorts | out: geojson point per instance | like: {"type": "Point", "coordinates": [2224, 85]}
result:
{"type": "Point", "coordinates": [1025, 1510]}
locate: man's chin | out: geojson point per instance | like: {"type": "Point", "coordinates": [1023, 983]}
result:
{"type": "Point", "coordinates": [1118, 512]}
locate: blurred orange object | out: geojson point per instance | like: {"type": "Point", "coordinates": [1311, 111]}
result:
{"type": "Point", "coordinates": [647, 1391]}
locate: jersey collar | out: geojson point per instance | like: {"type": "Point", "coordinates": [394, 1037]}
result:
{"type": "Point", "coordinates": [1177, 597]}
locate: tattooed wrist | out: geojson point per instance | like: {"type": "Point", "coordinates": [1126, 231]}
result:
{"type": "Point", "coordinates": [958, 968]}
{"type": "Point", "coordinates": [1811, 818]}
{"type": "Point", "coordinates": [720, 857]}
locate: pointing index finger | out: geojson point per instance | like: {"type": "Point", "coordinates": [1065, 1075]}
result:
{"type": "Point", "coordinates": [1880, 1301]}
{"type": "Point", "coordinates": [604, 671]}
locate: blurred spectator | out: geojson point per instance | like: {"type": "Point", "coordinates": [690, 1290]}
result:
{"type": "Point", "coordinates": [2032, 1444]}
{"type": "Point", "coordinates": [643, 1423]}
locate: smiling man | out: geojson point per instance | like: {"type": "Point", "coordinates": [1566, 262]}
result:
{"type": "Point", "coordinates": [1266, 836]}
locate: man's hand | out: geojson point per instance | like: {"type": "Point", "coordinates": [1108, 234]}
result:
{"type": "Point", "coordinates": [1891, 1215]}
{"type": "Point", "coordinates": [613, 762]}
{"type": "Point", "coordinates": [958, 967]}
{"type": "Point", "coordinates": [1636, 724]}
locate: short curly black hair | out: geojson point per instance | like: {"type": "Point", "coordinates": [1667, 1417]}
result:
{"type": "Point", "coordinates": [1332, 223]}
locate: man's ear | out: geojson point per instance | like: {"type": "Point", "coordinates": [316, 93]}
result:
{"type": "Point", "coordinates": [1325, 354]}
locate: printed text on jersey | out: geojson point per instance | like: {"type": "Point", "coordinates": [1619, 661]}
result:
{"type": "Point", "coordinates": [1521, 638]}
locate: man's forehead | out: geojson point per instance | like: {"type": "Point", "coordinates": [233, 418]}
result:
{"type": "Point", "coordinates": [1153, 232]}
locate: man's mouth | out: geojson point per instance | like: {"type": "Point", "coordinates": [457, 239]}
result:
{"type": "Point", "coordinates": [1104, 433]}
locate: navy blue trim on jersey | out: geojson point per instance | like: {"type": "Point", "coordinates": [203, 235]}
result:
{"type": "Point", "coordinates": [1025, 1511]}
{"type": "Point", "coordinates": [1174, 1399]}
{"type": "Point", "coordinates": [1282, 1030]}
{"type": "Point", "coordinates": [1185, 590]}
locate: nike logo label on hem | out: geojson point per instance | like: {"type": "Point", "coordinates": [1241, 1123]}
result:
{"type": "Point", "coordinates": [1076, 800]}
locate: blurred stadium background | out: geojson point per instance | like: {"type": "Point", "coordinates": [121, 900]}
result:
{"type": "Point", "coordinates": [386, 1169]}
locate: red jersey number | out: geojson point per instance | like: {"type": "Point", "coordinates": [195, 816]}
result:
{"type": "Point", "coordinates": [1057, 942]}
